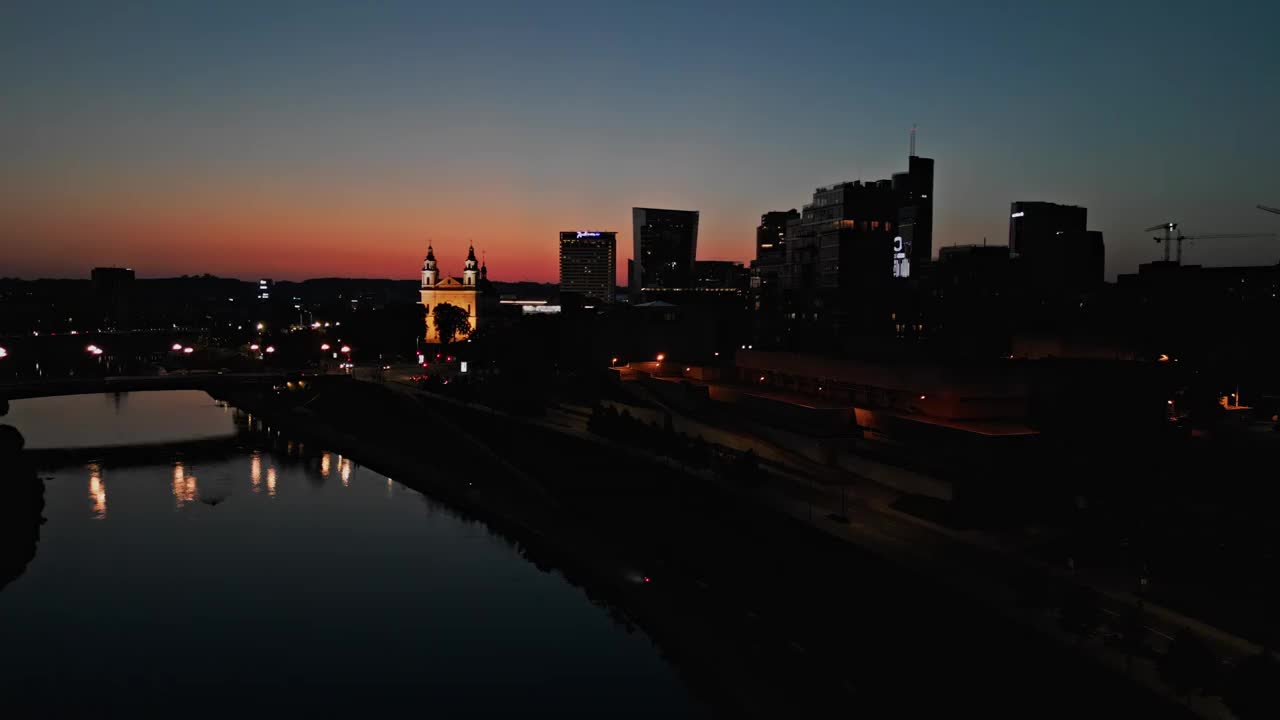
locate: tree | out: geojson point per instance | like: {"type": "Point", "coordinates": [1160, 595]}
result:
{"type": "Point", "coordinates": [451, 321]}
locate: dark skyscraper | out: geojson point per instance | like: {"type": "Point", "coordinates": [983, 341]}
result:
{"type": "Point", "coordinates": [771, 257]}
{"type": "Point", "coordinates": [914, 189]}
{"type": "Point", "coordinates": [588, 263]}
{"type": "Point", "coordinates": [1033, 225]}
{"type": "Point", "coordinates": [1053, 246]}
{"type": "Point", "coordinates": [843, 239]}
{"type": "Point", "coordinates": [771, 235]}
{"type": "Point", "coordinates": [113, 291]}
{"type": "Point", "coordinates": [665, 243]}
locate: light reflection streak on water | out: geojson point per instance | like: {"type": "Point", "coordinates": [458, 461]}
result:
{"type": "Point", "coordinates": [271, 481]}
{"type": "Point", "coordinates": [184, 486]}
{"type": "Point", "coordinates": [324, 465]}
{"type": "Point", "coordinates": [255, 471]}
{"type": "Point", "coordinates": [97, 492]}
{"type": "Point", "coordinates": [345, 466]}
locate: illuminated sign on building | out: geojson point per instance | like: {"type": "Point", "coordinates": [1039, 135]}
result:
{"type": "Point", "coordinates": [587, 233]}
{"type": "Point", "coordinates": [1017, 214]}
{"type": "Point", "coordinates": [901, 257]}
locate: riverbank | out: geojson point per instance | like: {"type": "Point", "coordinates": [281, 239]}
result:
{"type": "Point", "coordinates": [769, 615]}
{"type": "Point", "coordinates": [484, 488]}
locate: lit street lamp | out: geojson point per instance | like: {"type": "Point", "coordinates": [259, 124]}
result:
{"type": "Point", "coordinates": [271, 348]}
{"type": "Point", "coordinates": [346, 349]}
{"type": "Point", "coordinates": [325, 346]}
{"type": "Point", "coordinates": [177, 347]}
{"type": "Point", "coordinates": [188, 350]}
{"type": "Point", "coordinates": [3, 353]}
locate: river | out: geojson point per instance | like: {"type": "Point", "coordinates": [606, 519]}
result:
{"type": "Point", "coordinates": [228, 569]}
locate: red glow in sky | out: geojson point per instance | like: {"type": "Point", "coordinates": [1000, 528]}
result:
{"type": "Point", "coordinates": [299, 243]}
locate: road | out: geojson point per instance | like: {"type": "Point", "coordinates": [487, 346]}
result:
{"type": "Point", "coordinates": [972, 563]}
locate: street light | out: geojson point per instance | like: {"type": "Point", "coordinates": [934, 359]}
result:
{"type": "Point", "coordinates": [661, 357]}
{"type": "Point", "coordinates": [271, 348]}
{"type": "Point", "coordinates": [188, 350]}
{"type": "Point", "coordinates": [253, 346]}
{"type": "Point", "coordinates": [346, 349]}
{"type": "Point", "coordinates": [176, 347]}
{"type": "Point", "coordinates": [260, 326]}
{"type": "Point", "coordinates": [4, 353]}
{"type": "Point", "coordinates": [325, 346]}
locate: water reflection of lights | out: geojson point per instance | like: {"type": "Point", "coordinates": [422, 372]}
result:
{"type": "Point", "coordinates": [97, 492]}
{"type": "Point", "coordinates": [345, 466]}
{"type": "Point", "coordinates": [324, 465]}
{"type": "Point", "coordinates": [255, 471]}
{"type": "Point", "coordinates": [184, 486]}
{"type": "Point", "coordinates": [271, 481]}
{"type": "Point", "coordinates": [390, 485]}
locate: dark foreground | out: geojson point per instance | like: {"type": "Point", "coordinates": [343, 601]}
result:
{"type": "Point", "coordinates": [762, 615]}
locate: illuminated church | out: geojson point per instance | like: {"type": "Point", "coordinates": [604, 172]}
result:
{"type": "Point", "coordinates": [466, 292]}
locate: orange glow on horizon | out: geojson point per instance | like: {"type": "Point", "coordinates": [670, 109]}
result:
{"type": "Point", "coordinates": [296, 243]}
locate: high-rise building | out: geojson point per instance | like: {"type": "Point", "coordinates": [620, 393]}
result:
{"type": "Point", "coordinates": [845, 237]}
{"type": "Point", "coordinates": [665, 244]}
{"type": "Point", "coordinates": [771, 256]}
{"type": "Point", "coordinates": [588, 263]}
{"type": "Point", "coordinates": [113, 291]}
{"type": "Point", "coordinates": [1054, 248]}
{"type": "Point", "coordinates": [914, 189]}
{"type": "Point", "coordinates": [771, 235]}
{"type": "Point", "coordinates": [1034, 225]}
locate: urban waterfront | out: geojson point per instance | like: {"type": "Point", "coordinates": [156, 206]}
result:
{"type": "Point", "coordinates": [259, 574]}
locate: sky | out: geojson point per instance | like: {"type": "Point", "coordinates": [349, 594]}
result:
{"type": "Point", "coordinates": [307, 139]}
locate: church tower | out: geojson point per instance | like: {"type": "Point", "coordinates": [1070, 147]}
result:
{"type": "Point", "coordinates": [429, 273]}
{"type": "Point", "coordinates": [470, 272]}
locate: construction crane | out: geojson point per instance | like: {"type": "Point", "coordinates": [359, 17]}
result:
{"type": "Point", "coordinates": [1168, 229]}
{"type": "Point", "coordinates": [1264, 208]}
{"type": "Point", "coordinates": [1169, 237]}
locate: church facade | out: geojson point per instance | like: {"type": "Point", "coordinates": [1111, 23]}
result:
{"type": "Point", "coordinates": [465, 292]}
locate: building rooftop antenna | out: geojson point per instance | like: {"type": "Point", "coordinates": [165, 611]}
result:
{"type": "Point", "coordinates": [913, 139]}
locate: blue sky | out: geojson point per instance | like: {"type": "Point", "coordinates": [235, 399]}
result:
{"type": "Point", "coordinates": [310, 137]}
